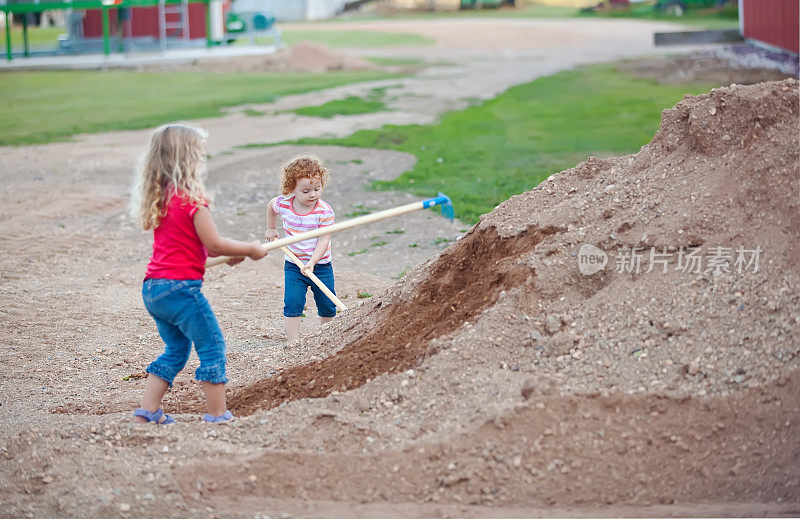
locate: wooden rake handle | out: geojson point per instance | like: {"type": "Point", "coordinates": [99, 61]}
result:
{"type": "Point", "coordinates": [330, 229]}
{"type": "Point", "coordinates": [315, 279]}
{"type": "Point", "coordinates": [441, 200]}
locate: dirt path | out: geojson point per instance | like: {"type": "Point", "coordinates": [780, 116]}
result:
{"type": "Point", "coordinates": [73, 325]}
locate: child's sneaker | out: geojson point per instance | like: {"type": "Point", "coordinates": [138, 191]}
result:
{"type": "Point", "coordinates": [228, 416]}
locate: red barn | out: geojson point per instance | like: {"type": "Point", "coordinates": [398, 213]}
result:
{"type": "Point", "coordinates": [775, 23]}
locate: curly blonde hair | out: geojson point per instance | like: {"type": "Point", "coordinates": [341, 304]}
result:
{"type": "Point", "coordinates": [305, 166]}
{"type": "Point", "coordinates": [174, 163]}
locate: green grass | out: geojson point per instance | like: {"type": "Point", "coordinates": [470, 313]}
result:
{"type": "Point", "coordinates": [359, 210]}
{"type": "Point", "coordinates": [708, 18]}
{"type": "Point", "coordinates": [531, 10]}
{"type": "Point", "coordinates": [250, 112]}
{"type": "Point", "coordinates": [39, 107]}
{"type": "Point", "coordinates": [348, 106]}
{"type": "Point", "coordinates": [38, 38]}
{"type": "Point", "coordinates": [352, 105]}
{"type": "Point", "coordinates": [396, 62]}
{"type": "Point", "coordinates": [482, 155]}
{"type": "Point", "coordinates": [339, 39]}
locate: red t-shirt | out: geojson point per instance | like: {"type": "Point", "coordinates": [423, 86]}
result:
{"type": "Point", "coordinates": [178, 252]}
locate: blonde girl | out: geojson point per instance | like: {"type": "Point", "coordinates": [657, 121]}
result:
{"type": "Point", "coordinates": [171, 199]}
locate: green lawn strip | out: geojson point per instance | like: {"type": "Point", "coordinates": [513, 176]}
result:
{"type": "Point", "coordinates": [532, 10]}
{"type": "Point", "coordinates": [709, 18]}
{"type": "Point", "coordinates": [339, 38]}
{"type": "Point", "coordinates": [372, 102]}
{"type": "Point", "coordinates": [40, 107]}
{"type": "Point", "coordinates": [482, 155]}
{"type": "Point", "coordinates": [38, 38]}
{"type": "Point", "coordinates": [397, 62]}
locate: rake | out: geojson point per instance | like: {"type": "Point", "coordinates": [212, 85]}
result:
{"type": "Point", "coordinates": [325, 290]}
{"type": "Point", "coordinates": [441, 200]}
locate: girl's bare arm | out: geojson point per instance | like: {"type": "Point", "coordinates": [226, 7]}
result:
{"type": "Point", "coordinates": [319, 251]}
{"type": "Point", "coordinates": [219, 246]}
{"type": "Point", "coordinates": [272, 222]}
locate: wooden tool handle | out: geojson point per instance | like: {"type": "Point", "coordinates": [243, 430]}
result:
{"type": "Point", "coordinates": [315, 279]}
{"type": "Point", "coordinates": [330, 229]}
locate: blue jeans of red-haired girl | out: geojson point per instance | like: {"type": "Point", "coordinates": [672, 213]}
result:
{"type": "Point", "coordinates": [184, 317]}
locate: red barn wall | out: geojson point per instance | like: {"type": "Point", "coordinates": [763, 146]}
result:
{"type": "Point", "coordinates": [775, 22]}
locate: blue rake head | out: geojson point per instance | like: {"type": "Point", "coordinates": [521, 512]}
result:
{"type": "Point", "coordinates": [444, 201]}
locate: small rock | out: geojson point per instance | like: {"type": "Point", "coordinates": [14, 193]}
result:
{"type": "Point", "coordinates": [553, 324]}
{"type": "Point", "coordinates": [362, 404]}
{"type": "Point", "coordinates": [540, 386]}
{"type": "Point", "coordinates": [124, 507]}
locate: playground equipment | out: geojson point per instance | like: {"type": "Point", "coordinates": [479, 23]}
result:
{"type": "Point", "coordinates": [163, 19]}
{"type": "Point", "coordinates": [240, 21]}
{"type": "Point", "coordinates": [92, 25]}
{"type": "Point", "coordinates": [441, 200]}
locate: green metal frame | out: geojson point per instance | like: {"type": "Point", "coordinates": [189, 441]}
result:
{"type": "Point", "coordinates": [103, 5]}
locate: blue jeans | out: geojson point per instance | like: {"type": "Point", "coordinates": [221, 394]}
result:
{"type": "Point", "coordinates": [294, 293]}
{"type": "Point", "coordinates": [183, 316]}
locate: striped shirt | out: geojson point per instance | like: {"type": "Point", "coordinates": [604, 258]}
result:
{"type": "Point", "coordinates": [294, 223]}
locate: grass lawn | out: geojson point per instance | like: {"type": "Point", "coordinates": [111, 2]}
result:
{"type": "Point", "coordinates": [38, 38]}
{"type": "Point", "coordinates": [396, 62]}
{"type": "Point", "coordinates": [338, 39]}
{"type": "Point", "coordinates": [725, 18]}
{"type": "Point", "coordinates": [40, 107]}
{"type": "Point", "coordinates": [373, 102]}
{"type": "Point", "coordinates": [484, 154]}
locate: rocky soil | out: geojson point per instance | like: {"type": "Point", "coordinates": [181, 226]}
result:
{"type": "Point", "coordinates": [504, 374]}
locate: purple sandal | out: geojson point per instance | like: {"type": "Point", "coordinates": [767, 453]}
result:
{"type": "Point", "coordinates": [156, 417]}
{"type": "Point", "coordinates": [218, 419]}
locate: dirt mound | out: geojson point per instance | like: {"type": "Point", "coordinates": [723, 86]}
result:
{"type": "Point", "coordinates": [450, 296]}
{"type": "Point", "coordinates": [698, 296]}
{"type": "Point", "coordinates": [300, 57]}
{"type": "Point", "coordinates": [505, 371]}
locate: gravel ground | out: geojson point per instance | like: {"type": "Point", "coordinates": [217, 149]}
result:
{"type": "Point", "coordinates": [494, 379]}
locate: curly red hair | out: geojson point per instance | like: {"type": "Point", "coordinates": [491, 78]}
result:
{"type": "Point", "coordinates": [305, 166]}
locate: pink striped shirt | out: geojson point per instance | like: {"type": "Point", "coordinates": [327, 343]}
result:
{"type": "Point", "coordinates": [294, 223]}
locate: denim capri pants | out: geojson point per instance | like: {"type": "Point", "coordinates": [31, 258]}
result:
{"type": "Point", "coordinates": [183, 317]}
{"type": "Point", "coordinates": [294, 293]}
